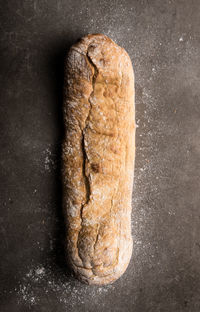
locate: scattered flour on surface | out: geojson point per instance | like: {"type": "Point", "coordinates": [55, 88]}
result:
{"type": "Point", "coordinates": [69, 291]}
{"type": "Point", "coordinates": [49, 159]}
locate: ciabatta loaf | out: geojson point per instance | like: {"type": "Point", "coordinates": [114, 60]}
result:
{"type": "Point", "coordinates": [98, 158]}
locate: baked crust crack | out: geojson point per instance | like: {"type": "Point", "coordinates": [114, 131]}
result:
{"type": "Point", "coordinates": [86, 175]}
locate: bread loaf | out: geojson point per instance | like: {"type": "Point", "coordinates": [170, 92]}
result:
{"type": "Point", "coordinates": [98, 158]}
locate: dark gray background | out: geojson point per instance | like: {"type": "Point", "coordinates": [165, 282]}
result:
{"type": "Point", "coordinates": [163, 41]}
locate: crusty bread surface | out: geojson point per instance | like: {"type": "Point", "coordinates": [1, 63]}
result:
{"type": "Point", "coordinates": [98, 158]}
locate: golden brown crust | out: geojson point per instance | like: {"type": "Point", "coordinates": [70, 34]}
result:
{"type": "Point", "coordinates": [98, 158]}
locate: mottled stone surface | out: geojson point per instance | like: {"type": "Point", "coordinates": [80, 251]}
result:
{"type": "Point", "coordinates": [162, 39]}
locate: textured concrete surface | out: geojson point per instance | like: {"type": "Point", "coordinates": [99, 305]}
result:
{"type": "Point", "coordinates": [163, 41]}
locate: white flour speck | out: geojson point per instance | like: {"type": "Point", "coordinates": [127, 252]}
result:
{"type": "Point", "coordinates": [49, 160]}
{"type": "Point", "coordinates": [40, 271]}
